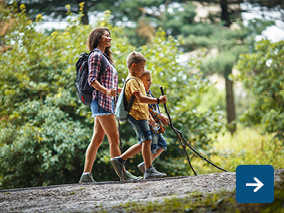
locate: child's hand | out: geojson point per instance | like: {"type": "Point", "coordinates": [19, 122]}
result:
{"type": "Point", "coordinates": [119, 89]}
{"type": "Point", "coordinates": [152, 122]}
{"type": "Point", "coordinates": [163, 99]}
{"type": "Point", "coordinates": [164, 120]}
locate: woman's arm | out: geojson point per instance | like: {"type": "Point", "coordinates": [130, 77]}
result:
{"type": "Point", "coordinates": [110, 92]}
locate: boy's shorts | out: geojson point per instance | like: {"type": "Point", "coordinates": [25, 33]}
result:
{"type": "Point", "coordinates": [141, 128]}
{"type": "Point", "coordinates": [158, 142]}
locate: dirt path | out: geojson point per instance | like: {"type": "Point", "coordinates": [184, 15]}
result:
{"type": "Point", "coordinates": [93, 197]}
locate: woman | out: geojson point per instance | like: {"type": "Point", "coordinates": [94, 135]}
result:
{"type": "Point", "coordinates": [102, 105]}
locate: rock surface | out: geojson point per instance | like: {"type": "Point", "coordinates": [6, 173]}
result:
{"type": "Point", "coordinates": [95, 196]}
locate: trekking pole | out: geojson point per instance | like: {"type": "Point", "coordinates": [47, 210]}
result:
{"type": "Point", "coordinates": [179, 134]}
{"type": "Point", "coordinates": [199, 153]}
{"type": "Point", "coordinates": [119, 131]}
{"type": "Point", "coordinates": [119, 135]}
{"type": "Point", "coordinates": [175, 130]}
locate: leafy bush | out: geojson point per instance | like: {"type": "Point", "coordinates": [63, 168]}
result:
{"type": "Point", "coordinates": [262, 73]}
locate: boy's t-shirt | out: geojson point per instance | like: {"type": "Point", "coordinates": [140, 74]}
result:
{"type": "Point", "coordinates": [139, 111]}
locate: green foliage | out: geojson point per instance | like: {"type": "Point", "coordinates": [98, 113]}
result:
{"type": "Point", "coordinates": [47, 131]}
{"type": "Point", "coordinates": [41, 117]}
{"type": "Point", "coordinates": [262, 73]}
{"type": "Point", "coordinates": [212, 99]}
{"type": "Point", "coordinates": [222, 64]}
{"type": "Point", "coordinates": [247, 146]}
{"type": "Point", "coordinates": [177, 21]}
{"type": "Point", "coordinates": [44, 132]}
{"type": "Point", "coordinates": [44, 150]}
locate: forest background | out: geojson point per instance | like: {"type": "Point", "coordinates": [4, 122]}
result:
{"type": "Point", "coordinates": [44, 131]}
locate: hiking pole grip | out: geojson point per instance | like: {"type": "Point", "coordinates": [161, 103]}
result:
{"type": "Point", "coordinates": [162, 90]}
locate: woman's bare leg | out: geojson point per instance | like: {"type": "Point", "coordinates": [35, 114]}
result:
{"type": "Point", "coordinates": [108, 124]}
{"type": "Point", "coordinates": [97, 139]}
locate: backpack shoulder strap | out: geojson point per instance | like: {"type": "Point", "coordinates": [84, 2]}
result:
{"type": "Point", "coordinates": [103, 61]}
{"type": "Point", "coordinates": [127, 81]}
{"type": "Point", "coordinates": [132, 98]}
{"type": "Point", "coordinates": [130, 79]}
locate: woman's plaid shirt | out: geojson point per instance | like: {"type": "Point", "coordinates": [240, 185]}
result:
{"type": "Point", "coordinates": [108, 79]}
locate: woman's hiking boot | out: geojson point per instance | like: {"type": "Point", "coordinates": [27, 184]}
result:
{"type": "Point", "coordinates": [151, 172]}
{"type": "Point", "coordinates": [129, 176]}
{"type": "Point", "coordinates": [86, 178]}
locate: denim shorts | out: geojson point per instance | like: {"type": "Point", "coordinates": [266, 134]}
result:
{"type": "Point", "coordinates": [158, 142]}
{"type": "Point", "coordinates": [141, 127]}
{"type": "Point", "coordinates": [99, 111]}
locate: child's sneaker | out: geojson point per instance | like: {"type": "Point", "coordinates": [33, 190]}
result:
{"type": "Point", "coordinates": [118, 165]}
{"type": "Point", "coordinates": [153, 173]}
{"type": "Point", "coordinates": [141, 167]}
{"type": "Point", "coordinates": [86, 178]}
{"type": "Point", "coordinates": [129, 176]}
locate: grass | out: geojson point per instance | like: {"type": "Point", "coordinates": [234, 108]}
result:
{"type": "Point", "coordinates": [246, 147]}
{"type": "Point", "coordinates": [188, 203]}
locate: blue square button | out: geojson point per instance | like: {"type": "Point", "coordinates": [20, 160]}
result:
{"type": "Point", "coordinates": [255, 184]}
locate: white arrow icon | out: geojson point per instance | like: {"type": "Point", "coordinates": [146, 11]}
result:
{"type": "Point", "coordinates": [258, 183]}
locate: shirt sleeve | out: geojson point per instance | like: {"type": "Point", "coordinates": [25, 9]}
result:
{"type": "Point", "coordinates": [133, 86]}
{"type": "Point", "coordinates": [94, 65]}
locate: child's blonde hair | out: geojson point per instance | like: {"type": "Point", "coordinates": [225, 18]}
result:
{"type": "Point", "coordinates": [146, 72]}
{"type": "Point", "coordinates": [135, 57]}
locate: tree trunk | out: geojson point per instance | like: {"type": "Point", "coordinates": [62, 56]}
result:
{"type": "Point", "coordinates": [230, 106]}
{"type": "Point", "coordinates": [85, 18]}
{"type": "Point", "coordinates": [225, 13]}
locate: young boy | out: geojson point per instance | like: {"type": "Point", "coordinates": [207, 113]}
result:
{"type": "Point", "coordinates": [157, 120]}
{"type": "Point", "coordinates": [138, 118]}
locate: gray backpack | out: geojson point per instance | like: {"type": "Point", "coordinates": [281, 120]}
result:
{"type": "Point", "coordinates": [122, 106]}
